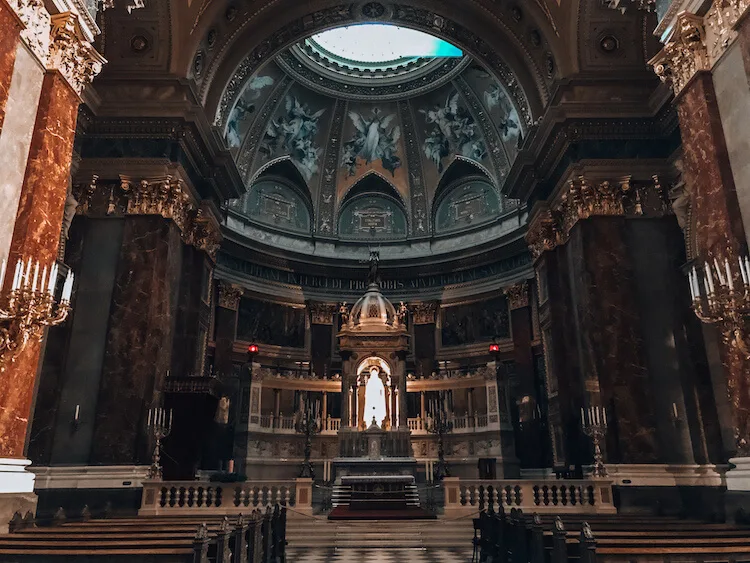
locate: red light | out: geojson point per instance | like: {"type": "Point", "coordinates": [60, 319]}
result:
{"type": "Point", "coordinates": [252, 349]}
{"type": "Point", "coordinates": [494, 348]}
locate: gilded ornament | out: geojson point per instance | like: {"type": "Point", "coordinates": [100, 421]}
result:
{"type": "Point", "coordinates": [322, 313]}
{"type": "Point", "coordinates": [424, 313]}
{"type": "Point", "coordinates": [229, 295]}
{"type": "Point", "coordinates": [37, 22]}
{"type": "Point", "coordinates": [518, 295]}
{"type": "Point", "coordinates": [71, 54]}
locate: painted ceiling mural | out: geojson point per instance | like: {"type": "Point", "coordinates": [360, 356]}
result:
{"type": "Point", "coordinates": [408, 132]}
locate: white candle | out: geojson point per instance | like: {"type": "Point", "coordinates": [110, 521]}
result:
{"type": "Point", "coordinates": [743, 273]}
{"type": "Point", "coordinates": [78, 412]}
{"type": "Point", "coordinates": [746, 261]}
{"type": "Point", "coordinates": [729, 274]}
{"type": "Point", "coordinates": [2, 275]}
{"type": "Point", "coordinates": [16, 275]}
{"type": "Point", "coordinates": [710, 279]}
{"type": "Point", "coordinates": [36, 276]}
{"type": "Point", "coordinates": [149, 418]}
{"type": "Point", "coordinates": [597, 414]}
{"type": "Point", "coordinates": [719, 275]}
{"type": "Point", "coordinates": [42, 283]}
{"type": "Point", "coordinates": [692, 288]}
{"type": "Point", "coordinates": [583, 419]}
{"type": "Point", "coordinates": [674, 410]}
{"type": "Point", "coordinates": [170, 418]}
{"type": "Point", "coordinates": [52, 279]}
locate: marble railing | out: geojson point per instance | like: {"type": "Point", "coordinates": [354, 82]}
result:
{"type": "Point", "coordinates": [287, 424]}
{"type": "Point", "coordinates": [463, 424]}
{"type": "Point", "coordinates": [204, 497]}
{"type": "Point", "coordinates": [585, 496]}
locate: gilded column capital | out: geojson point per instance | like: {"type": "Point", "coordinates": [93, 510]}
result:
{"type": "Point", "coordinates": [229, 295]}
{"type": "Point", "coordinates": [720, 23]}
{"type": "Point", "coordinates": [543, 233]}
{"type": "Point", "coordinates": [37, 23]}
{"type": "Point", "coordinates": [518, 295]}
{"type": "Point", "coordinates": [424, 313]}
{"type": "Point", "coordinates": [164, 196]}
{"type": "Point", "coordinates": [322, 313]}
{"type": "Point", "coordinates": [71, 53]}
{"type": "Point", "coordinates": [684, 54]}
{"type": "Point", "coordinates": [205, 232]}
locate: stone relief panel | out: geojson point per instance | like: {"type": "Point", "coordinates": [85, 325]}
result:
{"type": "Point", "coordinates": [274, 203]}
{"type": "Point", "coordinates": [480, 321]}
{"type": "Point", "coordinates": [270, 323]}
{"type": "Point", "coordinates": [465, 205]}
{"type": "Point", "coordinates": [372, 216]}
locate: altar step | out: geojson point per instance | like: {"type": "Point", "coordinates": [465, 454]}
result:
{"type": "Point", "coordinates": [341, 495]}
{"type": "Point", "coordinates": [302, 533]}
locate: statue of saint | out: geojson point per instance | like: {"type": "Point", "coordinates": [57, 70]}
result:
{"type": "Point", "coordinates": [222, 411]}
{"type": "Point", "coordinates": [373, 275]}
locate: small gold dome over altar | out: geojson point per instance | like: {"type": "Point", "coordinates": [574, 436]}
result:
{"type": "Point", "coordinates": [374, 313]}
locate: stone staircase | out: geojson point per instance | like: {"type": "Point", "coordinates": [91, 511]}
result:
{"type": "Point", "coordinates": [321, 533]}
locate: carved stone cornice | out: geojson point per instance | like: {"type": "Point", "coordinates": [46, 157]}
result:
{"type": "Point", "coordinates": [684, 54]}
{"type": "Point", "coordinates": [71, 53]}
{"type": "Point", "coordinates": [204, 232]}
{"type": "Point", "coordinates": [37, 23]}
{"type": "Point", "coordinates": [424, 313]}
{"type": "Point", "coordinates": [322, 313]}
{"type": "Point", "coordinates": [624, 5]}
{"type": "Point", "coordinates": [518, 295]}
{"type": "Point", "coordinates": [720, 23]}
{"type": "Point", "coordinates": [581, 198]}
{"type": "Point", "coordinates": [229, 295]}
{"type": "Point", "coordinates": [165, 196]}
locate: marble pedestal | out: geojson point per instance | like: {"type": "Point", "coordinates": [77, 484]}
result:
{"type": "Point", "coordinates": [16, 490]}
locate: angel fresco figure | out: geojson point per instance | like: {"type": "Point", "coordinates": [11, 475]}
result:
{"type": "Point", "coordinates": [454, 131]}
{"type": "Point", "coordinates": [294, 133]}
{"type": "Point", "coordinates": [373, 139]}
{"type": "Point", "coordinates": [508, 122]}
{"type": "Point", "coordinates": [245, 106]}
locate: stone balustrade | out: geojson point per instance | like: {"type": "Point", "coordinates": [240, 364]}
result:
{"type": "Point", "coordinates": [584, 496]}
{"type": "Point", "coordinates": [210, 498]}
{"type": "Point", "coordinates": [463, 424]}
{"type": "Point", "coordinates": [287, 424]}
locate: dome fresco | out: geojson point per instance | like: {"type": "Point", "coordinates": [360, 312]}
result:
{"type": "Point", "coordinates": [424, 107]}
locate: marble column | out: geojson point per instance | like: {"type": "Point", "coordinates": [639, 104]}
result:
{"type": "Point", "coordinates": [403, 414]}
{"type": "Point", "coordinates": [325, 406]}
{"type": "Point", "coordinates": [470, 403]}
{"type": "Point", "coordinates": [10, 34]}
{"type": "Point", "coordinates": [37, 235]}
{"type": "Point", "coordinates": [422, 412]}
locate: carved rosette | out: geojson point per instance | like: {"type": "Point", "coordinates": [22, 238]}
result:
{"type": "Point", "coordinates": [205, 232]}
{"type": "Point", "coordinates": [684, 54]}
{"type": "Point", "coordinates": [424, 313]}
{"type": "Point", "coordinates": [322, 313]}
{"type": "Point", "coordinates": [229, 295]}
{"type": "Point", "coordinates": [37, 22]}
{"type": "Point", "coordinates": [518, 295]}
{"type": "Point", "coordinates": [164, 196]}
{"type": "Point", "coordinates": [71, 54]}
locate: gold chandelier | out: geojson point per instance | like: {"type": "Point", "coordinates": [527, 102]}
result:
{"type": "Point", "coordinates": [721, 296]}
{"type": "Point", "coordinates": [30, 306]}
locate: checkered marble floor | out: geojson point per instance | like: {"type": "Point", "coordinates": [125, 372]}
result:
{"type": "Point", "coordinates": [313, 555]}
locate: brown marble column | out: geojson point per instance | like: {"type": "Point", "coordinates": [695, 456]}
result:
{"type": "Point", "coordinates": [37, 234]}
{"type": "Point", "coordinates": [10, 33]}
{"type": "Point", "coordinates": [226, 326]}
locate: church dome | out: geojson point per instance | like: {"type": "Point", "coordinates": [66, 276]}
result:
{"type": "Point", "coordinates": [374, 312]}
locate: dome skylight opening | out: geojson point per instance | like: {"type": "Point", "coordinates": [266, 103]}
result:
{"type": "Point", "coordinates": [374, 43]}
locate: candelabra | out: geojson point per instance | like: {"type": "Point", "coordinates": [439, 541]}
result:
{"type": "Point", "coordinates": [594, 424]}
{"type": "Point", "coordinates": [30, 306]}
{"type": "Point", "coordinates": [308, 424]}
{"type": "Point", "coordinates": [723, 298]}
{"type": "Point", "coordinates": [160, 425]}
{"type": "Point", "coordinates": [440, 424]}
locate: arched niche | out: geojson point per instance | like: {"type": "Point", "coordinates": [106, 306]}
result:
{"type": "Point", "coordinates": [372, 209]}
{"type": "Point", "coordinates": [279, 197]}
{"type": "Point", "coordinates": [464, 198]}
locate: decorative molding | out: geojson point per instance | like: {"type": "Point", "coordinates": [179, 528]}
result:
{"type": "Point", "coordinates": [229, 295]}
{"type": "Point", "coordinates": [325, 224]}
{"type": "Point", "coordinates": [420, 219]}
{"type": "Point", "coordinates": [518, 295]}
{"type": "Point", "coordinates": [37, 22]}
{"type": "Point", "coordinates": [624, 5]}
{"type": "Point", "coordinates": [424, 313]}
{"type": "Point", "coordinates": [720, 23]}
{"type": "Point", "coordinates": [322, 313]}
{"type": "Point", "coordinates": [581, 198]}
{"type": "Point", "coordinates": [71, 53]}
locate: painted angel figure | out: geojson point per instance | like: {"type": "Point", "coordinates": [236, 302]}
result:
{"type": "Point", "coordinates": [373, 140]}
{"type": "Point", "coordinates": [244, 107]}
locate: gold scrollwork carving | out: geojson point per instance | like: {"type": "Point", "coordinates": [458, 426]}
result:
{"type": "Point", "coordinates": [518, 295]}
{"type": "Point", "coordinates": [322, 313]}
{"type": "Point", "coordinates": [424, 313]}
{"type": "Point", "coordinates": [229, 295]}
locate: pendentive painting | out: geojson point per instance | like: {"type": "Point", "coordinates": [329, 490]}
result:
{"type": "Point", "coordinates": [481, 321]}
{"type": "Point", "coordinates": [271, 323]}
{"type": "Point", "coordinates": [298, 130]}
{"type": "Point", "coordinates": [372, 141]}
{"type": "Point", "coordinates": [254, 95]}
